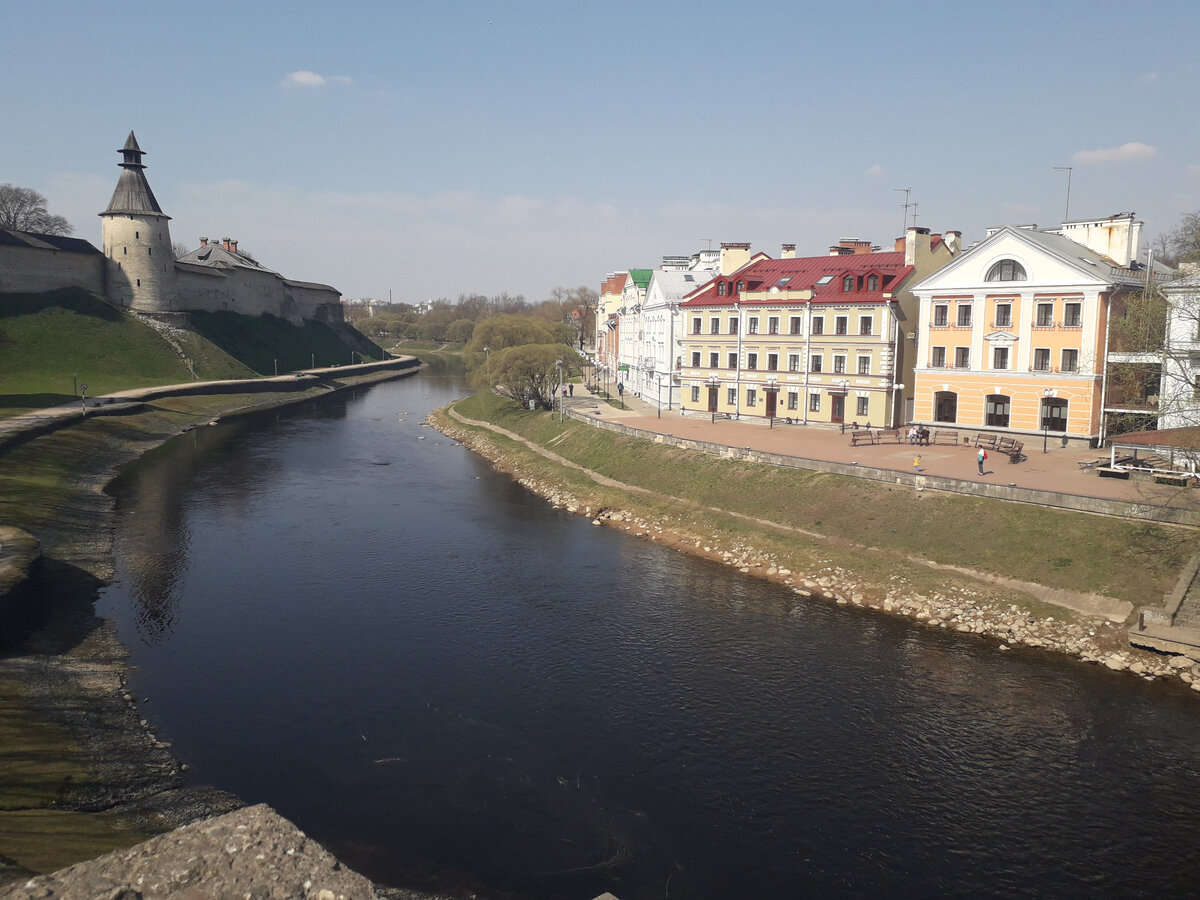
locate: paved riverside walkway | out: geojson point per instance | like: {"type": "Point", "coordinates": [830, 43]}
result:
{"type": "Point", "coordinates": [1055, 470]}
{"type": "Point", "coordinates": [41, 421]}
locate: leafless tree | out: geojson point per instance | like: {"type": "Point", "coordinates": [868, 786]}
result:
{"type": "Point", "coordinates": [23, 209]}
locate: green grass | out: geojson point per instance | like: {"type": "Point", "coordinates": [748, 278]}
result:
{"type": "Point", "coordinates": [52, 341]}
{"type": "Point", "coordinates": [1134, 561]}
{"type": "Point", "coordinates": [268, 344]}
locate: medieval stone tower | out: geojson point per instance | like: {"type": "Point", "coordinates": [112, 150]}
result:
{"type": "Point", "coordinates": [137, 240]}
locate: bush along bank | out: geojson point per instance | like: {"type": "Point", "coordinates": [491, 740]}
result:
{"type": "Point", "coordinates": [813, 565]}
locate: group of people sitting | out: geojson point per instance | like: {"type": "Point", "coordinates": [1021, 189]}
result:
{"type": "Point", "coordinates": [918, 434]}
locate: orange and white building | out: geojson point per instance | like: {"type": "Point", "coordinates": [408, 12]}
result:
{"type": "Point", "coordinates": [1012, 334]}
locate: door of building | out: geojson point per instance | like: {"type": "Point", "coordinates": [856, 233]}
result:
{"type": "Point", "coordinates": [712, 399]}
{"type": "Point", "coordinates": [838, 409]}
{"type": "Point", "coordinates": [771, 395]}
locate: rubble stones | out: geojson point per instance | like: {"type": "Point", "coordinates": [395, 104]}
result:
{"type": "Point", "coordinates": [252, 852]}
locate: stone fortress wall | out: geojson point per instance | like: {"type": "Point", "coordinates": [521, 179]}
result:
{"type": "Point", "coordinates": [31, 264]}
{"type": "Point", "coordinates": [137, 268]}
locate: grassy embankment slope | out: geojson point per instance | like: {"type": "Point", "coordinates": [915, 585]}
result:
{"type": "Point", "coordinates": [812, 522]}
{"type": "Point", "coordinates": [53, 341]}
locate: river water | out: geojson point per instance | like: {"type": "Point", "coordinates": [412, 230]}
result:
{"type": "Point", "coordinates": [453, 686]}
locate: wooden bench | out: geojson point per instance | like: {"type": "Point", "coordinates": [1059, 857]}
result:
{"type": "Point", "coordinates": [1177, 480]}
{"type": "Point", "coordinates": [943, 437]}
{"type": "Point", "coordinates": [1012, 448]}
{"type": "Point", "coordinates": [892, 434]}
{"type": "Point", "coordinates": [986, 441]}
{"type": "Point", "coordinates": [1108, 472]}
{"type": "Point", "coordinates": [865, 437]}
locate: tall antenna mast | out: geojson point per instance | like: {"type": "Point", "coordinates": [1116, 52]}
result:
{"type": "Point", "coordinates": [905, 191]}
{"type": "Point", "coordinates": [1067, 212]}
{"type": "Point", "coordinates": [709, 242]}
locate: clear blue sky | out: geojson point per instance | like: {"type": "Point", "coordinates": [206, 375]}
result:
{"type": "Point", "coordinates": [433, 149]}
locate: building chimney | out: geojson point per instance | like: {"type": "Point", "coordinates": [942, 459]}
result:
{"type": "Point", "coordinates": [733, 257]}
{"type": "Point", "coordinates": [225, 243]}
{"type": "Point", "coordinates": [233, 246]}
{"type": "Point", "coordinates": [787, 251]}
{"type": "Point", "coordinates": [849, 247]}
{"type": "Point", "coordinates": [916, 243]}
{"type": "Point", "coordinates": [203, 242]}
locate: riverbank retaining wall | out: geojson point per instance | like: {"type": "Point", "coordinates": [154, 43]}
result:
{"type": "Point", "coordinates": [1010, 492]}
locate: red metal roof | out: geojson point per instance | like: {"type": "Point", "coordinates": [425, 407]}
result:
{"type": "Point", "coordinates": [804, 273]}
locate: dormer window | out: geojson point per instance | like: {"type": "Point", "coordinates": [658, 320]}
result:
{"type": "Point", "coordinates": [872, 282]}
{"type": "Point", "coordinates": [1006, 270]}
{"type": "Point", "coordinates": [848, 284]}
{"type": "Point", "coordinates": [741, 286]}
{"type": "Point", "coordinates": [721, 289]}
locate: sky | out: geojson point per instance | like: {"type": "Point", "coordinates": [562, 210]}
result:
{"type": "Point", "coordinates": [413, 151]}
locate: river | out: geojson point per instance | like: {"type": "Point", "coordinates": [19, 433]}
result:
{"type": "Point", "coordinates": [342, 613]}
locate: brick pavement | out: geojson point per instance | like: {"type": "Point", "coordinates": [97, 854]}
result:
{"type": "Point", "coordinates": [1057, 469]}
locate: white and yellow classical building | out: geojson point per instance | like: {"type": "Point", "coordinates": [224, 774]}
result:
{"type": "Point", "coordinates": [816, 340]}
{"type": "Point", "coordinates": [1012, 333]}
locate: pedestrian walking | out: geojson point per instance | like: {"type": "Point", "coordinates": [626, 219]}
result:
{"type": "Point", "coordinates": [571, 388]}
{"type": "Point", "coordinates": [980, 457]}
{"type": "Point", "coordinates": [917, 464]}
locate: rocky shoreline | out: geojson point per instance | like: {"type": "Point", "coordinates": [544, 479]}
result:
{"type": "Point", "coordinates": [971, 609]}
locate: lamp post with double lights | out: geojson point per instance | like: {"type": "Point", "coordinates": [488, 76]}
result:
{"type": "Point", "coordinates": [1046, 395]}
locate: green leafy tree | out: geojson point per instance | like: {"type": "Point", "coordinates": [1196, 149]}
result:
{"type": "Point", "coordinates": [460, 331]}
{"type": "Point", "coordinates": [498, 332]}
{"type": "Point", "coordinates": [528, 373]}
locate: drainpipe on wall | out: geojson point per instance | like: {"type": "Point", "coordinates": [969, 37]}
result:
{"type": "Point", "coordinates": [807, 348]}
{"type": "Point", "coordinates": [671, 355]}
{"type": "Point", "coordinates": [737, 377]}
{"type": "Point", "coordinates": [895, 357]}
{"type": "Point", "coordinates": [1104, 371]}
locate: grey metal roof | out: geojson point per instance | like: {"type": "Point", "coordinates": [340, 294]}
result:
{"type": "Point", "coordinates": [216, 256]}
{"type": "Point", "coordinates": [133, 195]}
{"type": "Point", "coordinates": [1075, 254]}
{"type": "Point", "coordinates": [46, 241]}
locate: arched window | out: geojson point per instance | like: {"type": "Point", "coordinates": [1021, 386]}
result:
{"type": "Point", "coordinates": [1007, 270]}
{"type": "Point", "coordinates": [945, 406]}
{"type": "Point", "coordinates": [848, 283]}
{"type": "Point", "coordinates": [721, 289]}
{"type": "Point", "coordinates": [998, 407]}
{"type": "Point", "coordinates": [872, 282]}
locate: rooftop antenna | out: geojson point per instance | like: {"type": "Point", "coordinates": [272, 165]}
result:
{"type": "Point", "coordinates": [709, 242]}
{"type": "Point", "coordinates": [905, 191]}
{"type": "Point", "coordinates": [915, 204]}
{"type": "Point", "coordinates": [1067, 212]}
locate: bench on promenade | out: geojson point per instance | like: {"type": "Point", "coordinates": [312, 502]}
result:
{"type": "Point", "coordinates": [865, 436]}
{"type": "Point", "coordinates": [1012, 448]}
{"type": "Point", "coordinates": [986, 441]}
{"type": "Point", "coordinates": [1109, 472]}
{"type": "Point", "coordinates": [941, 436]}
{"type": "Point", "coordinates": [1176, 480]}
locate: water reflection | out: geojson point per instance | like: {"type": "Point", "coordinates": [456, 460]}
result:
{"type": "Point", "coordinates": [455, 686]}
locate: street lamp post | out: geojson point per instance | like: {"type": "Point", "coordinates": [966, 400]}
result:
{"type": "Point", "coordinates": [487, 363]}
{"type": "Point", "coordinates": [1046, 395]}
{"type": "Point", "coordinates": [558, 363]}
